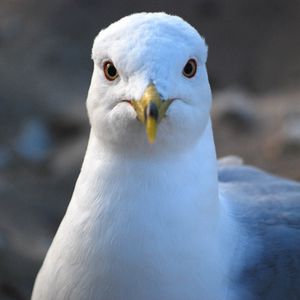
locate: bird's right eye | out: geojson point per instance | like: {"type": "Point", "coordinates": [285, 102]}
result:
{"type": "Point", "coordinates": [110, 71]}
{"type": "Point", "coordinates": [190, 68]}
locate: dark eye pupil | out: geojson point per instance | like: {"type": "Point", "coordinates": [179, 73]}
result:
{"type": "Point", "coordinates": [188, 69]}
{"type": "Point", "coordinates": [111, 70]}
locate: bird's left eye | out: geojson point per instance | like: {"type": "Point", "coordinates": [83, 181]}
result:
{"type": "Point", "coordinates": [190, 68]}
{"type": "Point", "coordinates": [110, 71]}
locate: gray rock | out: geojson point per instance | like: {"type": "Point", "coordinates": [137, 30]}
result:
{"type": "Point", "coordinates": [290, 133]}
{"type": "Point", "coordinates": [235, 109]}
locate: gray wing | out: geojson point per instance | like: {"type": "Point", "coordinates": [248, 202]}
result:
{"type": "Point", "coordinates": [267, 208]}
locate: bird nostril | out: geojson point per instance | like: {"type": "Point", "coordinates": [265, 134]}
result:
{"type": "Point", "coordinates": [151, 110]}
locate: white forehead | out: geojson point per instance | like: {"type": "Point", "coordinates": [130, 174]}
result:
{"type": "Point", "coordinates": [149, 37]}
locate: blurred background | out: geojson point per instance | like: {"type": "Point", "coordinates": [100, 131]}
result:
{"type": "Point", "coordinates": [45, 69]}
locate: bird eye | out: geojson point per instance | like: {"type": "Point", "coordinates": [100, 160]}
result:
{"type": "Point", "coordinates": [110, 71]}
{"type": "Point", "coordinates": [190, 68]}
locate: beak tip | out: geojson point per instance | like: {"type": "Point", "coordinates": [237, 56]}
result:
{"type": "Point", "coordinates": [151, 140]}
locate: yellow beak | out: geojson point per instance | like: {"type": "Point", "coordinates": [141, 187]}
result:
{"type": "Point", "coordinates": [150, 110]}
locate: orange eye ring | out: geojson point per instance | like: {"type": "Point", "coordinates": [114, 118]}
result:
{"type": "Point", "coordinates": [190, 68]}
{"type": "Point", "coordinates": [110, 71]}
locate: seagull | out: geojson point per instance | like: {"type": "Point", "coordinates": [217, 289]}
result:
{"type": "Point", "coordinates": [154, 215]}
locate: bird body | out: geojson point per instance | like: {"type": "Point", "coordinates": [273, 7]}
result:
{"type": "Point", "coordinates": [265, 261]}
{"type": "Point", "coordinates": [154, 221]}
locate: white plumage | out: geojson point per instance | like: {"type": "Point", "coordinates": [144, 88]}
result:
{"type": "Point", "coordinates": [153, 222]}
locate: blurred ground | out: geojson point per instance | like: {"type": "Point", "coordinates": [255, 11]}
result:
{"type": "Point", "coordinates": [45, 68]}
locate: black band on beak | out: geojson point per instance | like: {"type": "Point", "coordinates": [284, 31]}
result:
{"type": "Point", "coordinates": [151, 111]}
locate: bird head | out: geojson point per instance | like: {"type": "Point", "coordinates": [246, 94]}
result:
{"type": "Point", "coordinates": [149, 90]}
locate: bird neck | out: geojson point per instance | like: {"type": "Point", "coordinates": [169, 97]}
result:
{"type": "Point", "coordinates": [191, 175]}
